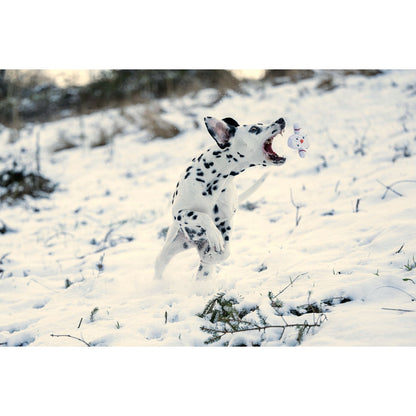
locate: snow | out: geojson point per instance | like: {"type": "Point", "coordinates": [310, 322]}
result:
{"type": "Point", "coordinates": [101, 229]}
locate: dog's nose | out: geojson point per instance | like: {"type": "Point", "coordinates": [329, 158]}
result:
{"type": "Point", "coordinates": [281, 122]}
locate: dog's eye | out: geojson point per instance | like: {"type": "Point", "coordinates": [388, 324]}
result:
{"type": "Point", "coordinates": [254, 129]}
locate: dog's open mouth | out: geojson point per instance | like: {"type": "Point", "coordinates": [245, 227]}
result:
{"type": "Point", "coordinates": [270, 153]}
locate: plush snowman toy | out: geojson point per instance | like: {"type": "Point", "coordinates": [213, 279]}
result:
{"type": "Point", "coordinates": [298, 141]}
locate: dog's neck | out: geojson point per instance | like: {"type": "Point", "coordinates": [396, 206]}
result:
{"type": "Point", "coordinates": [228, 161]}
{"type": "Point", "coordinates": [215, 168]}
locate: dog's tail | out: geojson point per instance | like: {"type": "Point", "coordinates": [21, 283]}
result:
{"type": "Point", "coordinates": [253, 188]}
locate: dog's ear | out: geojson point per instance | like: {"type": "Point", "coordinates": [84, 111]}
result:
{"type": "Point", "coordinates": [230, 121]}
{"type": "Point", "coordinates": [221, 130]}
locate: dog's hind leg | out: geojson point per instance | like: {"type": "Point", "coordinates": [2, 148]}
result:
{"type": "Point", "coordinates": [209, 258]}
{"type": "Point", "coordinates": [175, 243]}
{"type": "Point", "coordinates": [199, 226]}
{"type": "Point", "coordinates": [205, 270]}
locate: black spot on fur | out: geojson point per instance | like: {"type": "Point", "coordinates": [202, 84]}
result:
{"type": "Point", "coordinates": [232, 173]}
{"type": "Point", "coordinates": [200, 180]}
{"type": "Point", "coordinates": [190, 213]}
{"type": "Point", "coordinates": [186, 176]}
{"type": "Point", "coordinates": [215, 209]}
{"type": "Point", "coordinates": [195, 217]}
{"type": "Point", "coordinates": [226, 238]}
{"type": "Point", "coordinates": [200, 173]}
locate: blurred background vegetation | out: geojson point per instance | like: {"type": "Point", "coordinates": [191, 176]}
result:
{"type": "Point", "coordinates": [34, 96]}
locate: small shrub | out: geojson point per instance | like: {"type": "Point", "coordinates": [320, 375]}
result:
{"type": "Point", "coordinates": [225, 316]}
{"type": "Point", "coordinates": [106, 136]}
{"type": "Point", "coordinates": [93, 313]}
{"type": "Point", "coordinates": [157, 127]}
{"type": "Point", "coordinates": [249, 206]}
{"type": "Point", "coordinates": [163, 233]}
{"type": "Point", "coordinates": [64, 142]}
{"type": "Point", "coordinates": [327, 83]}
{"type": "Point", "coordinates": [16, 183]}
{"type": "Point", "coordinates": [410, 265]}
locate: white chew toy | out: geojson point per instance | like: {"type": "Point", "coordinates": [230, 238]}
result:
{"type": "Point", "coordinates": [298, 141]}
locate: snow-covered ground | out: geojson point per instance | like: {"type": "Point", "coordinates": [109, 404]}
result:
{"type": "Point", "coordinates": [80, 262]}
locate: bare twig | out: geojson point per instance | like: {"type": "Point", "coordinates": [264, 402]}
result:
{"type": "Point", "coordinates": [398, 310]}
{"type": "Point", "coordinates": [305, 326]}
{"type": "Point", "coordinates": [37, 155]}
{"type": "Point", "coordinates": [3, 257]}
{"type": "Point", "coordinates": [401, 290]}
{"type": "Point", "coordinates": [70, 336]}
{"type": "Point", "coordinates": [399, 250]}
{"type": "Point", "coordinates": [390, 187]}
{"type": "Point", "coordinates": [297, 206]}
{"type": "Point", "coordinates": [290, 284]}
{"type": "Point", "coordinates": [337, 186]}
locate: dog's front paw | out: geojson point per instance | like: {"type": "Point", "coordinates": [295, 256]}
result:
{"type": "Point", "coordinates": [216, 241]}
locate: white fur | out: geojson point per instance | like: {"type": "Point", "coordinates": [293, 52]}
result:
{"type": "Point", "coordinates": [205, 199]}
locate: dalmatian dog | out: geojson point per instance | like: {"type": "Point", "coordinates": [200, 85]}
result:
{"type": "Point", "coordinates": [205, 199]}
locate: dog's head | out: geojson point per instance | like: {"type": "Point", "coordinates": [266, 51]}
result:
{"type": "Point", "coordinates": [254, 141]}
